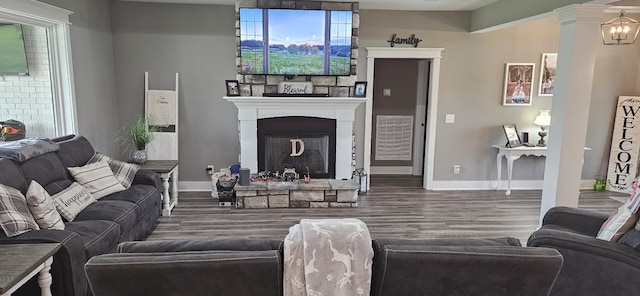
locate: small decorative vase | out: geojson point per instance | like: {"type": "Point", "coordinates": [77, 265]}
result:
{"type": "Point", "coordinates": [139, 156]}
{"type": "Point", "coordinates": [600, 184]}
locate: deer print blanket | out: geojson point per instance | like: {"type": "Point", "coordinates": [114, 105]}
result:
{"type": "Point", "coordinates": [327, 257]}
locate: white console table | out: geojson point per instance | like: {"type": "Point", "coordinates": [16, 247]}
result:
{"type": "Point", "coordinates": [513, 154]}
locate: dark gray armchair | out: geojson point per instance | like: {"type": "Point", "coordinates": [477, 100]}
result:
{"type": "Point", "coordinates": [591, 266]}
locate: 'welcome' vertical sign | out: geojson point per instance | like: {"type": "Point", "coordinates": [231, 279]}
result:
{"type": "Point", "coordinates": [625, 144]}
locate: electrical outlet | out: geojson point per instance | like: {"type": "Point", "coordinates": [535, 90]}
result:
{"type": "Point", "coordinates": [210, 169]}
{"type": "Point", "coordinates": [456, 169]}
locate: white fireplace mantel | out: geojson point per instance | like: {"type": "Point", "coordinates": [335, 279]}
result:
{"type": "Point", "coordinates": [250, 109]}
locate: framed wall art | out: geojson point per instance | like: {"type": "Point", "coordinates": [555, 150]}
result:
{"type": "Point", "coordinates": [548, 65]}
{"type": "Point", "coordinates": [518, 83]}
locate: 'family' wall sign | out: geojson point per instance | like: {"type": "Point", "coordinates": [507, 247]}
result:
{"type": "Point", "coordinates": [411, 40]}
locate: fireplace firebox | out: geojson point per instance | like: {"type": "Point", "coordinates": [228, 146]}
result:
{"type": "Point", "coordinates": [297, 142]}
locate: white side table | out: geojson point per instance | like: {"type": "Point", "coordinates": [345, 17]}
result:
{"type": "Point", "coordinates": [21, 262]}
{"type": "Point", "coordinates": [513, 154]}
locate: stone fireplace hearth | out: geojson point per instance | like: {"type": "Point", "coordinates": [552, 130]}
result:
{"type": "Point", "coordinates": [341, 109]}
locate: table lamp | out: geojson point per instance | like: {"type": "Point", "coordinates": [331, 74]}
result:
{"type": "Point", "coordinates": [543, 120]}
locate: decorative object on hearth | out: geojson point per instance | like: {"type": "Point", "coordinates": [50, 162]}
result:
{"type": "Point", "coordinates": [361, 176]}
{"type": "Point", "coordinates": [543, 120]}
{"type": "Point", "coordinates": [360, 89]}
{"type": "Point", "coordinates": [233, 88]}
{"type": "Point", "coordinates": [307, 177]}
{"type": "Point", "coordinates": [138, 134]}
{"type": "Point", "coordinates": [620, 30]}
{"type": "Point", "coordinates": [289, 175]}
{"type": "Point", "coordinates": [513, 139]}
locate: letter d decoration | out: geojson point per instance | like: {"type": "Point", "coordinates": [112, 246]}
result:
{"type": "Point", "coordinates": [295, 152]}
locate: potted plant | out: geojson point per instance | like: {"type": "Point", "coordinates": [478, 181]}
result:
{"type": "Point", "coordinates": [139, 135]}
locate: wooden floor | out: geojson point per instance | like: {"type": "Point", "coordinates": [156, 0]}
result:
{"type": "Point", "coordinates": [394, 207]}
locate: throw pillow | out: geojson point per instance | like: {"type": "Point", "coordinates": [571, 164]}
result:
{"type": "Point", "coordinates": [97, 178]}
{"type": "Point", "coordinates": [123, 171]}
{"type": "Point", "coordinates": [71, 201]}
{"type": "Point", "coordinates": [15, 217]}
{"type": "Point", "coordinates": [623, 219]}
{"type": "Point", "coordinates": [42, 208]}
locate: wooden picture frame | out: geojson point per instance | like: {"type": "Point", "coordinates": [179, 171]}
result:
{"type": "Point", "coordinates": [360, 89]}
{"type": "Point", "coordinates": [518, 84]}
{"type": "Point", "coordinates": [548, 64]}
{"type": "Point", "coordinates": [233, 88]}
{"type": "Point", "coordinates": [513, 138]}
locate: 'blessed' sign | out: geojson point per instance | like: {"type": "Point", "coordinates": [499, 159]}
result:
{"type": "Point", "coordinates": [291, 88]}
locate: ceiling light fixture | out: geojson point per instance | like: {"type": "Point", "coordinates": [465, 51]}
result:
{"type": "Point", "coordinates": [620, 30]}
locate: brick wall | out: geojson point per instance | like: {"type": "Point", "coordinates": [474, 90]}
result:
{"type": "Point", "coordinates": [334, 86]}
{"type": "Point", "coordinates": [29, 98]}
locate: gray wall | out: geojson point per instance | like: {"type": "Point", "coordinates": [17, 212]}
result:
{"type": "Point", "coordinates": [198, 42]}
{"type": "Point", "coordinates": [93, 68]}
{"type": "Point", "coordinates": [471, 85]}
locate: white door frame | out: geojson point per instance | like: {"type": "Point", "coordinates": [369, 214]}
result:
{"type": "Point", "coordinates": [433, 54]}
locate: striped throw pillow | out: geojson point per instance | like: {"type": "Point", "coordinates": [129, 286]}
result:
{"type": "Point", "coordinates": [42, 208]}
{"type": "Point", "coordinates": [97, 178]}
{"type": "Point", "coordinates": [71, 201]}
{"type": "Point", "coordinates": [123, 171]}
{"type": "Point", "coordinates": [15, 218]}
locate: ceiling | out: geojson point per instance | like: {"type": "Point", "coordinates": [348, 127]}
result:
{"type": "Point", "coordinates": [460, 5]}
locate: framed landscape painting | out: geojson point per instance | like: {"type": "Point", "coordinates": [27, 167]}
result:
{"type": "Point", "coordinates": [518, 83]}
{"type": "Point", "coordinates": [548, 65]}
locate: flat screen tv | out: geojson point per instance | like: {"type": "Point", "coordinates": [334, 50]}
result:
{"type": "Point", "coordinates": [295, 42]}
{"type": "Point", "coordinates": [13, 58]}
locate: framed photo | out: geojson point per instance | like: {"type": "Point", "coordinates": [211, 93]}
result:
{"type": "Point", "coordinates": [518, 83]}
{"type": "Point", "coordinates": [513, 139]}
{"type": "Point", "coordinates": [233, 88]}
{"type": "Point", "coordinates": [360, 89]}
{"type": "Point", "coordinates": [548, 65]}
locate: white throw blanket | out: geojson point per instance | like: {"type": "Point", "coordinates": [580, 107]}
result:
{"type": "Point", "coordinates": [328, 257]}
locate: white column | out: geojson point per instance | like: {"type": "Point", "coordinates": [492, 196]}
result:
{"type": "Point", "coordinates": [248, 125]}
{"type": "Point", "coordinates": [344, 131]}
{"type": "Point", "coordinates": [579, 42]}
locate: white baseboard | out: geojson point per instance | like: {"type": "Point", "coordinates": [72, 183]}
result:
{"type": "Point", "coordinates": [489, 185]}
{"type": "Point", "coordinates": [391, 170]}
{"type": "Point", "coordinates": [194, 186]}
{"type": "Point", "coordinates": [435, 185]}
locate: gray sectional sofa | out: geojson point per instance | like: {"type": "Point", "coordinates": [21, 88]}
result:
{"type": "Point", "coordinates": [243, 267]}
{"type": "Point", "coordinates": [120, 217]}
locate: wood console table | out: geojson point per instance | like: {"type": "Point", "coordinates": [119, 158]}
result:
{"type": "Point", "coordinates": [513, 154]}
{"type": "Point", "coordinates": [168, 171]}
{"type": "Point", "coordinates": [21, 262]}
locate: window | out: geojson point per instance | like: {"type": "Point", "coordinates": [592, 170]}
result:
{"type": "Point", "coordinates": [50, 25]}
